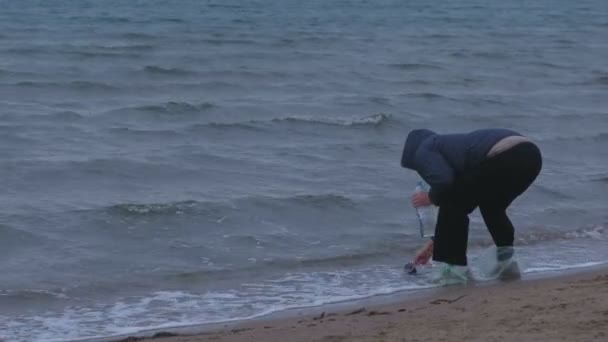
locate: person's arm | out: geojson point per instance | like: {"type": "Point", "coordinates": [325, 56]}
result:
{"type": "Point", "coordinates": [425, 253]}
{"type": "Point", "coordinates": [435, 170]}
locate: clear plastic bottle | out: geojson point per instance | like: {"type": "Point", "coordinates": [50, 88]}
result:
{"type": "Point", "coordinates": [427, 215]}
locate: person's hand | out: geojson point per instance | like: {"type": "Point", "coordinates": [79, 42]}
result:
{"type": "Point", "coordinates": [421, 199]}
{"type": "Point", "coordinates": [424, 254]}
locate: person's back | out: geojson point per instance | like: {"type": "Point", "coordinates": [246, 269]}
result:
{"type": "Point", "coordinates": [445, 159]}
{"type": "Point", "coordinates": [464, 151]}
{"type": "Point", "coordinates": [461, 150]}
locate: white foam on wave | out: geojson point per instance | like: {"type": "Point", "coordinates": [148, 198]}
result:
{"type": "Point", "coordinates": [550, 268]}
{"type": "Point", "coordinates": [372, 120]}
{"type": "Point", "coordinates": [172, 309]}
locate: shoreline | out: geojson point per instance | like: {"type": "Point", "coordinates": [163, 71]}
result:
{"type": "Point", "coordinates": [346, 318]}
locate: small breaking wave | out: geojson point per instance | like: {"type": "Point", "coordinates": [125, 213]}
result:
{"type": "Point", "coordinates": [157, 70]}
{"type": "Point", "coordinates": [371, 121]}
{"type": "Point", "coordinates": [552, 268]}
{"type": "Point", "coordinates": [540, 236]}
{"type": "Point", "coordinates": [136, 209]}
{"type": "Point", "coordinates": [323, 201]}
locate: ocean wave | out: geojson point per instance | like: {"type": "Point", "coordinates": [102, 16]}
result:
{"type": "Point", "coordinates": [136, 209]}
{"type": "Point", "coordinates": [224, 41]}
{"type": "Point", "coordinates": [137, 36]}
{"type": "Point", "coordinates": [35, 295]}
{"type": "Point", "coordinates": [13, 237]}
{"type": "Point", "coordinates": [82, 166]}
{"type": "Point", "coordinates": [105, 19]}
{"type": "Point", "coordinates": [113, 20]}
{"type": "Point", "coordinates": [108, 50]}
{"type": "Point", "coordinates": [13, 140]}
{"type": "Point", "coordinates": [373, 121]}
{"type": "Point", "coordinates": [283, 42]}
{"type": "Point", "coordinates": [157, 70]}
{"type": "Point", "coordinates": [166, 20]}
{"type": "Point", "coordinates": [73, 85]}
{"type": "Point", "coordinates": [169, 109]}
{"type": "Point", "coordinates": [323, 201]}
{"type": "Point", "coordinates": [27, 50]}
{"type": "Point", "coordinates": [415, 66]}
{"type": "Point", "coordinates": [492, 55]}
{"type": "Point", "coordinates": [66, 115]}
{"type": "Point", "coordinates": [427, 95]}
{"type": "Point", "coordinates": [124, 47]}
{"type": "Point", "coordinates": [104, 54]}
{"type": "Point", "coordinates": [552, 192]}
{"type": "Point", "coordinates": [600, 80]}
{"type": "Point", "coordinates": [223, 5]}
{"type": "Point", "coordinates": [86, 51]}
{"type": "Point", "coordinates": [539, 235]}
{"type": "Point", "coordinates": [175, 107]}
{"type": "Point", "coordinates": [600, 179]}
{"type": "Point", "coordinates": [10, 73]}
{"type": "Point", "coordinates": [552, 268]}
{"type": "Point", "coordinates": [380, 100]}
{"type": "Point", "coordinates": [370, 121]}
{"type": "Point", "coordinates": [598, 232]}
{"type": "Point", "coordinates": [244, 125]}
{"type": "Point", "coordinates": [257, 267]}
{"type": "Point", "coordinates": [157, 133]}
{"type": "Point", "coordinates": [61, 116]}
{"type": "Point", "coordinates": [553, 65]}
{"type": "Point", "coordinates": [599, 137]}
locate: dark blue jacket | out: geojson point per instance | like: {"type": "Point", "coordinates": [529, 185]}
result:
{"type": "Point", "coordinates": [441, 159]}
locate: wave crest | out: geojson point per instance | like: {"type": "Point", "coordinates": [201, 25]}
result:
{"type": "Point", "coordinates": [323, 201]}
{"type": "Point", "coordinates": [372, 120]}
{"type": "Point", "coordinates": [157, 70]}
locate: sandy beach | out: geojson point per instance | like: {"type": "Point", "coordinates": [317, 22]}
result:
{"type": "Point", "coordinates": [571, 307]}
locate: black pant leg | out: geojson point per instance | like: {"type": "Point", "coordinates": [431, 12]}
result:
{"type": "Point", "coordinates": [502, 179]}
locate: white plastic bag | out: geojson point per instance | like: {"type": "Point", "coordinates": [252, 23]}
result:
{"type": "Point", "coordinates": [498, 262]}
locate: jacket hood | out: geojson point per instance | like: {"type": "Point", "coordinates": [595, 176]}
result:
{"type": "Point", "coordinates": [413, 141]}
